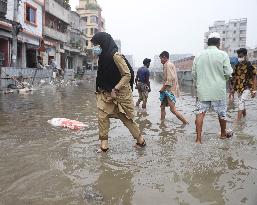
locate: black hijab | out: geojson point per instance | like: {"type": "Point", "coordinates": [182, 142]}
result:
{"type": "Point", "coordinates": [108, 74]}
{"type": "Point", "coordinates": [109, 48]}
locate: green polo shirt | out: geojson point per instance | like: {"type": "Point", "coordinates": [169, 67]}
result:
{"type": "Point", "coordinates": [211, 69]}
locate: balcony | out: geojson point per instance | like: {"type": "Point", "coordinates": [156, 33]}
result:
{"type": "Point", "coordinates": [55, 34]}
{"type": "Point", "coordinates": [57, 10]}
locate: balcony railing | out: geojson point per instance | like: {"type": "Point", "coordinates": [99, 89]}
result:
{"type": "Point", "coordinates": [55, 34]}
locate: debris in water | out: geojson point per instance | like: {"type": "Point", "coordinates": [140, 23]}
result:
{"type": "Point", "coordinates": [67, 123]}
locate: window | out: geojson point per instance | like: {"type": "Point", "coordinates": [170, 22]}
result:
{"type": "Point", "coordinates": [224, 32]}
{"type": "Point", "coordinates": [234, 39]}
{"type": "Point", "coordinates": [91, 31]}
{"type": "Point", "coordinates": [30, 14]}
{"type": "Point", "coordinates": [234, 32]}
{"type": "Point", "coordinates": [93, 19]}
{"type": "Point", "coordinates": [223, 39]}
{"type": "Point", "coordinates": [235, 24]}
{"type": "Point", "coordinates": [86, 42]}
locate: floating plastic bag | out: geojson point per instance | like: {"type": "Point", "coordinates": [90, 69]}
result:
{"type": "Point", "coordinates": [66, 123]}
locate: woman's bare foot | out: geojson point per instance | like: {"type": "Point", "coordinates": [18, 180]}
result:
{"type": "Point", "coordinates": [140, 143]}
{"type": "Point", "coordinates": [185, 122]}
{"type": "Point", "coordinates": [104, 147]}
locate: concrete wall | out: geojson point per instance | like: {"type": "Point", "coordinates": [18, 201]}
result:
{"type": "Point", "coordinates": [55, 34]}
{"type": "Point", "coordinates": [57, 10]}
{"type": "Point", "coordinates": [69, 74]}
{"type": "Point", "coordinates": [28, 74]}
{"type": "Point", "coordinates": [185, 78]}
{"type": "Point", "coordinates": [9, 14]}
{"type": "Point", "coordinates": [74, 20]}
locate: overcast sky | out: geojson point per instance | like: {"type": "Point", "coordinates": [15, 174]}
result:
{"type": "Point", "coordinates": [146, 27]}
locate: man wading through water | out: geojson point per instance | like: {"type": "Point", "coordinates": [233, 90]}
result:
{"type": "Point", "coordinates": [170, 89]}
{"type": "Point", "coordinates": [143, 83]}
{"type": "Point", "coordinates": [244, 78]}
{"type": "Point", "coordinates": [113, 90]}
{"type": "Point", "coordinates": [211, 70]}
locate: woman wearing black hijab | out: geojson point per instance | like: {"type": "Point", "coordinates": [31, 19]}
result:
{"type": "Point", "coordinates": [114, 95]}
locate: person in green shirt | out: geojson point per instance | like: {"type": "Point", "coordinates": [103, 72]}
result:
{"type": "Point", "coordinates": [210, 72]}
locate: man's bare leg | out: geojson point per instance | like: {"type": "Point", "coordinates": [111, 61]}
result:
{"type": "Point", "coordinates": [104, 144]}
{"type": "Point", "coordinates": [223, 124]}
{"type": "Point", "coordinates": [144, 104]}
{"type": "Point", "coordinates": [239, 115]}
{"type": "Point", "coordinates": [244, 113]}
{"type": "Point", "coordinates": [199, 127]}
{"type": "Point", "coordinates": [138, 103]}
{"type": "Point", "coordinates": [175, 112]}
{"type": "Point", "coordinates": [163, 112]}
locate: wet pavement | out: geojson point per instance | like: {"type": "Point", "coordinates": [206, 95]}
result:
{"type": "Point", "coordinates": [45, 165]}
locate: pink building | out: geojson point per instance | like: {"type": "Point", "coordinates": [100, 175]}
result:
{"type": "Point", "coordinates": [184, 64]}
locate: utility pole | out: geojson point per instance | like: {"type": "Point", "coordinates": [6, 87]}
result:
{"type": "Point", "coordinates": [15, 33]}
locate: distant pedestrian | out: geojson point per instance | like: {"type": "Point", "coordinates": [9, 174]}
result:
{"type": "Point", "coordinates": [53, 66]}
{"type": "Point", "coordinates": [170, 89]}
{"type": "Point", "coordinates": [143, 83]}
{"type": "Point", "coordinates": [233, 62]}
{"type": "Point", "coordinates": [244, 78]}
{"type": "Point", "coordinates": [113, 90]}
{"type": "Point", "coordinates": [211, 70]}
{"type": "Point", "coordinates": [40, 63]}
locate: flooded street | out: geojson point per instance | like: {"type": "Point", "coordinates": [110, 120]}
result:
{"type": "Point", "coordinates": [45, 165]}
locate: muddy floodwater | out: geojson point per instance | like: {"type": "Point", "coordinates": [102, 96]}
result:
{"type": "Point", "coordinates": [45, 165]}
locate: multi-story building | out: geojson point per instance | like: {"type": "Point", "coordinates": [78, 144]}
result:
{"type": "Point", "coordinates": [233, 34]}
{"type": "Point", "coordinates": [175, 57]}
{"type": "Point", "coordinates": [56, 23]}
{"type": "Point", "coordinates": [92, 13]}
{"type": "Point", "coordinates": [30, 16]}
{"type": "Point", "coordinates": [252, 55]}
{"type": "Point", "coordinates": [75, 48]}
{"type": "Point", "coordinates": [157, 66]}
